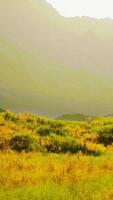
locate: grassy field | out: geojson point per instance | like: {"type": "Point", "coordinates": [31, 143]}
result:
{"type": "Point", "coordinates": [45, 159]}
{"type": "Point", "coordinates": [51, 176]}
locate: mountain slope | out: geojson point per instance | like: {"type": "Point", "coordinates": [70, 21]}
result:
{"type": "Point", "coordinates": [2, 110]}
{"type": "Point", "coordinates": [75, 117]}
{"type": "Point", "coordinates": [53, 65]}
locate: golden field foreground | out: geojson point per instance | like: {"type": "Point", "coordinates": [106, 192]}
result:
{"type": "Point", "coordinates": [44, 159]}
{"type": "Point", "coordinates": [53, 176]}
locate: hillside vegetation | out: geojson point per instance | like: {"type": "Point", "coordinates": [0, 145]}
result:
{"type": "Point", "coordinates": [47, 61]}
{"type": "Point", "coordinates": [42, 158]}
{"type": "Point", "coordinates": [27, 132]}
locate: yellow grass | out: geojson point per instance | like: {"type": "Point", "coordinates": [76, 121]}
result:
{"type": "Point", "coordinates": [37, 168]}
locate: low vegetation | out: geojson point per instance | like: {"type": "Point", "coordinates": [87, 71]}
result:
{"type": "Point", "coordinates": [27, 132]}
{"type": "Point", "coordinates": [42, 158]}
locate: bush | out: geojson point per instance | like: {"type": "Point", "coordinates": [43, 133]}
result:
{"type": "Point", "coordinates": [91, 148]}
{"type": "Point", "coordinates": [44, 130]}
{"type": "Point", "coordinates": [21, 143]}
{"type": "Point", "coordinates": [106, 135]}
{"type": "Point", "coordinates": [9, 116]}
{"type": "Point", "coordinates": [4, 144]}
{"type": "Point", "coordinates": [63, 131]}
{"type": "Point", "coordinates": [59, 144]}
{"type": "Point", "coordinates": [4, 140]}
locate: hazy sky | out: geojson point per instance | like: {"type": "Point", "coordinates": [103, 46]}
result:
{"type": "Point", "coordinates": [92, 8]}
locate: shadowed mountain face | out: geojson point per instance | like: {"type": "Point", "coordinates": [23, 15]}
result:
{"type": "Point", "coordinates": [2, 110]}
{"type": "Point", "coordinates": [52, 65]}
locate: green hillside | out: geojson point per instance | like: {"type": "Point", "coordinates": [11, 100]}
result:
{"type": "Point", "coordinates": [76, 117]}
{"type": "Point", "coordinates": [2, 110]}
{"type": "Point", "coordinates": [53, 65]}
{"type": "Point", "coordinates": [46, 159]}
{"type": "Point", "coordinates": [28, 132]}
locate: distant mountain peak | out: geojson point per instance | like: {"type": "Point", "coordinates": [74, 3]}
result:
{"type": "Point", "coordinates": [50, 64]}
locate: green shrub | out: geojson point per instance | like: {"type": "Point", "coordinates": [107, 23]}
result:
{"type": "Point", "coordinates": [21, 143]}
{"type": "Point", "coordinates": [44, 130]}
{"type": "Point", "coordinates": [9, 116]}
{"type": "Point", "coordinates": [59, 144]}
{"type": "Point", "coordinates": [61, 131]}
{"type": "Point", "coordinates": [91, 148]}
{"type": "Point", "coordinates": [106, 135]}
{"type": "Point", "coordinates": [106, 138]}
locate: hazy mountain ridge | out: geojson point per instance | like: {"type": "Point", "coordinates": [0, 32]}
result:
{"type": "Point", "coordinates": [54, 65]}
{"type": "Point", "coordinates": [2, 110]}
{"type": "Point", "coordinates": [76, 117]}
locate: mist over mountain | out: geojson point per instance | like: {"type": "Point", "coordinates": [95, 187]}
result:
{"type": "Point", "coordinates": [54, 65]}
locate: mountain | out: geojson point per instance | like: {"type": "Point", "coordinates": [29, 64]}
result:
{"type": "Point", "coordinates": [76, 117]}
{"type": "Point", "coordinates": [52, 65]}
{"type": "Point", "coordinates": [2, 110]}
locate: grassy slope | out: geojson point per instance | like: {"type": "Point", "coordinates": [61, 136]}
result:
{"type": "Point", "coordinates": [41, 176]}
{"type": "Point", "coordinates": [47, 69]}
